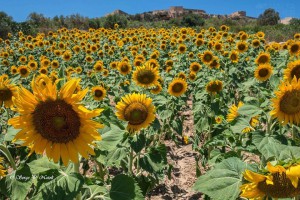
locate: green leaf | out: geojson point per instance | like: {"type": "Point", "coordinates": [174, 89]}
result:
{"type": "Point", "coordinates": [65, 185]}
{"type": "Point", "coordinates": [111, 139]}
{"type": "Point", "coordinates": [224, 181]}
{"type": "Point", "coordinates": [115, 157]}
{"type": "Point", "coordinates": [41, 165]}
{"type": "Point", "coordinates": [155, 160]}
{"type": "Point", "coordinates": [165, 114]}
{"type": "Point", "coordinates": [96, 189]}
{"type": "Point", "coordinates": [177, 125]}
{"type": "Point", "coordinates": [138, 142]}
{"type": "Point", "coordinates": [249, 110]}
{"type": "Point", "coordinates": [267, 146]}
{"type": "Point", "coordinates": [240, 124]}
{"type": "Point", "coordinates": [274, 81]}
{"type": "Point", "coordinates": [10, 135]}
{"type": "Point", "coordinates": [124, 187]}
{"type": "Point", "coordinates": [19, 183]}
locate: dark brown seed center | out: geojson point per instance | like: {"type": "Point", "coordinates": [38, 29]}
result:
{"type": "Point", "coordinates": [56, 121]}
{"type": "Point", "coordinates": [135, 113]}
{"type": "Point", "coordinates": [5, 95]}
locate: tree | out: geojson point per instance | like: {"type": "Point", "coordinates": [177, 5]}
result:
{"type": "Point", "coordinates": [111, 20]}
{"type": "Point", "coordinates": [269, 17]}
{"type": "Point", "coordinates": [295, 22]}
{"type": "Point", "coordinates": [192, 20]}
{"type": "Point", "coordinates": [5, 25]}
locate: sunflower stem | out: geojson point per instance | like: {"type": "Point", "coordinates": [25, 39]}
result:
{"type": "Point", "coordinates": [76, 170]}
{"type": "Point", "coordinates": [130, 161]}
{"type": "Point", "coordinates": [6, 152]}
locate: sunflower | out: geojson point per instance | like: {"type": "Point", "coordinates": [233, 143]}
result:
{"type": "Point", "coordinates": [219, 119]}
{"type": "Point", "coordinates": [98, 92]}
{"type": "Point", "coordinates": [181, 48]}
{"type": "Point", "coordinates": [124, 67]}
{"type": "Point", "coordinates": [177, 87]}
{"type": "Point", "coordinates": [24, 71]}
{"type": "Point", "coordinates": [67, 55]}
{"type": "Point", "coordinates": [13, 70]}
{"type": "Point", "coordinates": [7, 91]}
{"type": "Point", "coordinates": [255, 43]}
{"type": "Point", "coordinates": [32, 65]}
{"type": "Point", "coordinates": [279, 182]}
{"type": "Point", "coordinates": [137, 110]}
{"type": "Point", "coordinates": [263, 72]}
{"type": "Point", "coordinates": [153, 63]}
{"type": "Point", "coordinates": [145, 76]}
{"type": "Point", "coordinates": [54, 123]}
{"type": "Point", "coordinates": [242, 46]}
{"type": "Point", "coordinates": [2, 170]}
{"type": "Point", "coordinates": [45, 62]}
{"type": "Point", "coordinates": [195, 67]}
{"type": "Point", "coordinates": [253, 123]}
{"type": "Point", "coordinates": [214, 87]}
{"type": "Point", "coordinates": [294, 48]}
{"type": "Point", "coordinates": [192, 76]}
{"type": "Point", "coordinates": [263, 58]}
{"type": "Point", "coordinates": [233, 111]}
{"type": "Point", "coordinates": [113, 65]}
{"type": "Point", "coordinates": [157, 89]}
{"type": "Point", "coordinates": [234, 56]}
{"type": "Point", "coordinates": [214, 63]}
{"type": "Point", "coordinates": [292, 70]}
{"type": "Point", "coordinates": [207, 57]}
{"type": "Point", "coordinates": [43, 70]}
{"type": "Point", "coordinates": [286, 104]}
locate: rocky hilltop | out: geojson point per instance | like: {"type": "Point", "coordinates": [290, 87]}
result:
{"type": "Point", "coordinates": [179, 11]}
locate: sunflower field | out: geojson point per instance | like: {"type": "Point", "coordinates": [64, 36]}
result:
{"type": "Point", "coordinates": [85, 114]}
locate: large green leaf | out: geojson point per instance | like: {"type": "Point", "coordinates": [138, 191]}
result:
{"type": "Point", "coordinates": [240, 124]}
{"type": "Point", "coordinates": [124, 187]}
{"type": "Point", "coordinates": [111, 139]}
{"type": "Point", "coordinates": [19, 183]}
{"type": "Point", "coordinates": [58, 186]}
{"type": "Point", "coordinates": [155, 160]}
{"type": "Point", "coordinates": [268, 146]}
{"type": "Point", "coordinates": [41, 165]}
{"type": "Point", "coordinates": [249, 110]}
{"type": "Point", "coordinates": [138, 142]}
{"type": "Point", "coordinates": [224, 181]}
{"type": "Point", "coordinates": [165, 114]}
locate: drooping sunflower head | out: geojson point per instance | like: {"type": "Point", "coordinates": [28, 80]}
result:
{"type": "Point", "coordinates": [292, 70]}
{"type": "Point", "coordinates": [124, 67]}
{"type": "Point", "coordinates": [233, 111]}
{"type": "Point", "coordinates": [286, 104]}
{"type": "Point", "coordinates": [55, 122]}
{"type": "Point", "coordinates": [263, 72]}
{"type": "Point", "coordinates": [195, 67]}
{"type": "Point", "coordinates": [137, 110]}
{"type": "Point", "coordinates": [7, 91]}
{"type": "Point", "coordinates": [262, 58]}
{"type": "Point", "coordinates": [145, 76]}
{"type": "Point", "coordinates": [177, 87]}
{"type": "Point", "coordinates": [214, 87]}
{"type": "Point", "coordinates": [279, 182]}
{"type": "Point", "coordinates": [156, 89]}
{"type": "Point", "coordinates": [98, 93]}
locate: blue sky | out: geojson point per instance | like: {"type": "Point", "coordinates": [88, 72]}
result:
{"type": "Point", "coordinates": [20, 9]}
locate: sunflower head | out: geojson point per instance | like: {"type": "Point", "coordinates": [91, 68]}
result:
{"type": "Point", "coordinates": [294, 48]}
{"type": "Point", "coordinates": [214, 87]}
{"type": "Point", "coordinates": [207, 57]}
{"type": "Point", "coordinates": [279, 182]}
{"type": "Point", "coordinates": [292, 70]}
{"type": "Point", "coordinates": [233, 112]}
{"type": "Point", "coordinates": [24, 71]}
{"type": "Point", "coordinates": [177, 87]}
{"type": "Point", "coordinates": [98, 92]}
{"type": "Point", "coordinates": [156, 89]}
{"type": "Point", "coordinates": [7, 91]}
{"type": "Point", "coordinates": [2, 170]}
{"type": "Point", "coordinates": [124, 67]}
{"type": "Point", "coordinates": [234, 56]}
{"type": "Point", "coordinates": [286, 104]}
{"type": "Point", "coordinates": [195, 67]}
{"type": "Point", "coordinates": [263, 58]}
{"type": "Point", "coordinates": [54, 121]}
{"type": "Point", "coordinates": [242, 46]}
{"type": "Point", "coordinates": [146, 76]}
{"type": "Point", "coordinates": [137, 110]}
{"type": "Point", "coordinates": [263, 72]}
